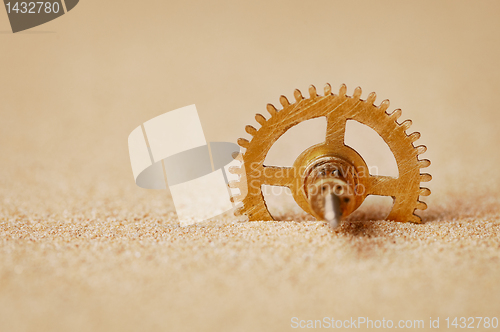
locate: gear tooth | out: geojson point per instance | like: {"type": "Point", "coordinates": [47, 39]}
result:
{"type": "Point", "coordinates": [312, 91]}
{"type": "Point", "coordinates": [238, 212]}
{"type": "Point", "coordinates": [406, 124]}
{"type": "Point", "coordinates": [235, 170]}
{"type": "Point", "coordinates": [425, 177]}
{"type": "Point", "coordinates": [421, 149]}
{"type": "Point", "coordinates": [244, 143]}
{"type": "Point", "coordinates": [414, 136]}
{"type": "Point", "coordinates": [298, 95]}
{"type": "Point", "coordinates": [284, 101]}
{"type": "Point", "coordinates": [424, 191]}
{"type": "Point", "coordinates": [371, 98]}
{"type": "Point", "coordinates": [236, 198]}
{"type": "Point", "coordinates": [421, 205]}
{"type": "Point", "coordinates": [384, 105]}
{"type": "Point", "coordinates": [260, 119]}
{"type": "Point", "coordinates": [357, 93]}
{"type": "Point", "coordinates": [234, 184]}
{"type": "Point", "coordinates": [424, 163]}
{"type": "Point", "coordinates": [271, 109]}
{"type": "Point", "coordinates": [343, 90]}
{"type": "Point", "coordinates": [251, 130]}
{"type": "Point", "coordinates": [415, 219]}
{"type": "Point", "coordinates": [237, 156]}
{"type": "Point", "coordinates": [396, 114]}
{"type": "Point", "coordinates": [328, 89]}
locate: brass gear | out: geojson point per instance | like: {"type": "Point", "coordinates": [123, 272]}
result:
{"type": "Point", "coordinates": [405, 189]}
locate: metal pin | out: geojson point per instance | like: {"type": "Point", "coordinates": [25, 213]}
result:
{"type": "Point", "coordinates": [332, 210]}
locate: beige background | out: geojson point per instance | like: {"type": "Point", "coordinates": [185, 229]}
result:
{"type": "Point", "coordinates": [82, 248]}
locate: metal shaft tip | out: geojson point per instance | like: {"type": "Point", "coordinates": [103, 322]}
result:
{"type": "Point", "coordinates": [332, 210]}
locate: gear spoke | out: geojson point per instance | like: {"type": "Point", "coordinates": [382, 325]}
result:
{"type": "Point", "coordinates": [278, 176]}
{"type": "Point", "coordinates": [382, 185]}
{"type": "Point", "coordinates": [335, 130]}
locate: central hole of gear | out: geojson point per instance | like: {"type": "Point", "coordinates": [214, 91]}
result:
{"type": "Point", "coordinates": [330, 176]}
